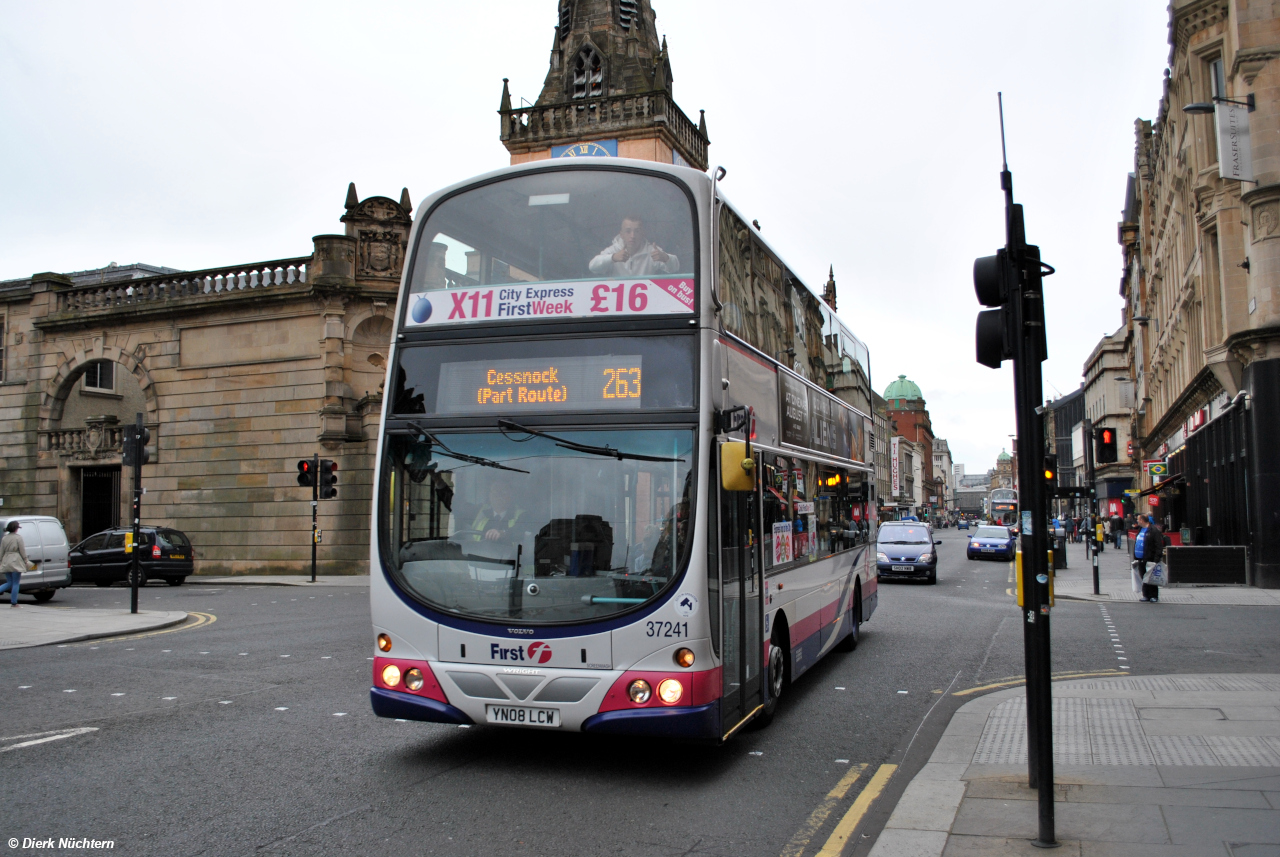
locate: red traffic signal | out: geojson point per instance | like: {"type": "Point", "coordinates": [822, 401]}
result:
{"type": "Point", "coordinates": [1106, 446]}
{"type": "Point", "coordinates": [306, 475]}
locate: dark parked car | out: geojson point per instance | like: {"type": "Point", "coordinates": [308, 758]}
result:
{"type": "Point", "coordinates": [164, 554]}
{"type": "Point", "coordinates": [906, 549]}
{"type": "Point", "coordinates": [993, 543]}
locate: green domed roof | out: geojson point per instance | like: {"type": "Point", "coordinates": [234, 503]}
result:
{"type": "Point", "coordinates": [1003, 456]}
{"type": "Point", "coordinates": [903, 389]}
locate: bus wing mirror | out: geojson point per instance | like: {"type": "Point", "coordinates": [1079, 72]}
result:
{"type": "Point", "coordinates": [737, 469]}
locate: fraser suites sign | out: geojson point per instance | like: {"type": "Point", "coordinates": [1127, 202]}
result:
{"type": "Point", "coordinates": [574, 299]}
{"type": "Point", "coordinates": [595, 382]}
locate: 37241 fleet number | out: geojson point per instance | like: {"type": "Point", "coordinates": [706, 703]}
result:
{"type": "Point", "coordinates": [666, 629]}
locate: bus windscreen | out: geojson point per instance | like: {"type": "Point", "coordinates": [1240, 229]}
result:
{"type": "Point", "coordinates": [574, 243]}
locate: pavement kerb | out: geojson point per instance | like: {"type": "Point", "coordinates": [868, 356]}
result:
{"type": "Point", "coordinates": [922, 819]}
{"type": "Point", "coordinates": [281, 580]}
{"type": "Point", "coordinates": [153, 621]}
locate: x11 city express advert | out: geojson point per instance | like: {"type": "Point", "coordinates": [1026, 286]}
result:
{"type": "Point", "coordinates": [578, 299]}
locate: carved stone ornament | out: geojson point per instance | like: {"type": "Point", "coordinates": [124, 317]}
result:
{"type": "Point", "coordinates": [1266, 221]}
{"type": "Point", "coordinates": [381, 254]}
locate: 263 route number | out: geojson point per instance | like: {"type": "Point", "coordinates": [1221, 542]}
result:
{"type": "Point", "coordinates": [602, 295]}
{"type": "Point", "coordinates": [666, 629]}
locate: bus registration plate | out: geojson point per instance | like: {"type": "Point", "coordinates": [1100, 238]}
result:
{"type": "Point", "coordinates": [517, 715]}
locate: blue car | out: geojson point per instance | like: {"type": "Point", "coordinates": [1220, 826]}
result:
{"type": "Point", "coordinates": [962, 524]}
{"type": "Point", "coordinates": [992, 543]}
{"type": "Point", "coordinates": [907, 549]}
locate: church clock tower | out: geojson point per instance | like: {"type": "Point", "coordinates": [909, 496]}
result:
{"type": "Point", "coordinates": [607, 93]}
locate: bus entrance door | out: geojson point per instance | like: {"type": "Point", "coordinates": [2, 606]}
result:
{"type": "Point", "coordinates": [743, 614]}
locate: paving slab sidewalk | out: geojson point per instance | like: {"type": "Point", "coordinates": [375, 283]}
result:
{"type": "Point", "coordinates": [1176, 765]}
{"type": "Point", "coordinates": [40, 625]}
{"type": "Point", "coordinates": [1075, 583]}
{"type": "Point", "coordinates": [281, 580]}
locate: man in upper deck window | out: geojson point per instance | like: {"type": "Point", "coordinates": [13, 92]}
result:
{"type": "Point", "coordinates": [632, 254]}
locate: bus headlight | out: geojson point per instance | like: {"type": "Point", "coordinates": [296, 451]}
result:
{"type": "Point", "coordinates": [391, 675]}
{"type": "Point", "coordinates": [413, 679]}
{"type": "Point", "coordinates": [639, 691]}
{"type": "Point", "coordinates": [670, 690]}
{"type": "Point", "coordinates": [384, 642]}
{"type": "Point", "coordinates": [684, 658]}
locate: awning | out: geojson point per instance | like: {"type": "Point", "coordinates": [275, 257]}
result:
{"type": "Point", "coordinates": [1168, 483]}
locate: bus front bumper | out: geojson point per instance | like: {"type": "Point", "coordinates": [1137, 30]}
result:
{"type": "Point", "coordinates": [693, 722]}
{"type": "Point", "coordinates": [409, 706]}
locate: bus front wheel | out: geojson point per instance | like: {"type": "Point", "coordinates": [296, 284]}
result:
{"type": "Point", "coordinates": [776, 675]}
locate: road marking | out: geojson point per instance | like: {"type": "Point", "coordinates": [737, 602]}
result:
{"type": "Point", "coordinates": [45, 737]}
{"type": "Point", "coordinates": [840, 836]}
{"type": "Point", "coordinates": [797, 844]}
{"type": "Point", "coordinates": [1016, 680]}
{"type": "Point", "coordinates": [201, 620]}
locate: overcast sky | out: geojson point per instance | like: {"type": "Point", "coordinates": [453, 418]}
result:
{"type": "Point", "coordinates": [861, 135]}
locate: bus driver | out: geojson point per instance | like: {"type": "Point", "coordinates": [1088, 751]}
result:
{"type": "Point", "coordinates": [632, 255]}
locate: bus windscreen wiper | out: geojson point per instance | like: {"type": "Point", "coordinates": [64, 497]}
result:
{"type": "Point", "coordinates": [461, 456]}
{"type": "Point", "coordinates": [607, 451]}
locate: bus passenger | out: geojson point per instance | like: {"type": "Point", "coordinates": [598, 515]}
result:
{"type": "Point", "coordinates": [632, 254]}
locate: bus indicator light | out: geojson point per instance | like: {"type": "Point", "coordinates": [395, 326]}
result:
{"type": "Point", "coordinates": [684, 658]}
{"type": "Point", "coordinates": [384, 642]}
{"type": "Point", "coordinates": [670, 690]}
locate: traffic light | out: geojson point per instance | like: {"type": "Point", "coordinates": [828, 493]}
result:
{"type": "Point", "coordinates": [1106, 446]}
{"type": "Point", "coordinates": [134, 450]}
{"type": "Point", "coordinates": [993, 281]}
{"type": "Point", "coordinates": [306, 476]}
{"type": "Point", "coordinates": [1050, 474]}
{"type": "Point", "coordinates": [328, 479]}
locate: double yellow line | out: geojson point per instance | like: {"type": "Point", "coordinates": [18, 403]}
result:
{"type": "Point", "coordinates": [839, 837]}
{"type": "Point", "coordinates": [201, 619]}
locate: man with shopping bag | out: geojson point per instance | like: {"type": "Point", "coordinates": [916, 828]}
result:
{"type": "Point", "coordinates": [1148, 547]}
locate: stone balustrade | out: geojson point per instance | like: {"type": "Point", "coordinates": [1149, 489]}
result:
{"type": "Point", "coordinates": [212, 283]}
{"type": "Point", "coordinates": [586, 118]}
{"type": "Point", "coordinates": [103, 439]}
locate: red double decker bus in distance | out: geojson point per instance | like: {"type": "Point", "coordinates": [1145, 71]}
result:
{"type": "Point", "coordinates": [623, 479]}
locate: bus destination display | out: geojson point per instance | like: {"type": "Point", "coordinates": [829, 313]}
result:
{"type": "Point", "coordinates": [584, 383]}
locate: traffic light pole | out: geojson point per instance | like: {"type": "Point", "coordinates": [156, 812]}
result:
{"type": "Point", "coordinates": [315, 504]}
{"type": "Point", "coordinates": [1090, 479]}
{"type": "Point", "coordinates": [135, 566]}
{"type": "Point", "coordinates": [1029, 350]}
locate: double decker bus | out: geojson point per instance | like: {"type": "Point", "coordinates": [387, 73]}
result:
{"type": "Point", "coordinates": [1004, 507]}
{"type": "Point", "coordinates": [620, 487]}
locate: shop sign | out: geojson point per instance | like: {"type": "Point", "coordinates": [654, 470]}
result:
{"type": "Point", "coordinates": [1196, 420]}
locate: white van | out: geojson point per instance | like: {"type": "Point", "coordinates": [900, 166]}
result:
{"type": "Point", "coordinates": [47, 547]}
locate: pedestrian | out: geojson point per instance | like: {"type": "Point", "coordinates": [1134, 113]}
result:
{"type": "Point", "coordinates": [13, 561]}
{"type": "Point", "coordinates": [1148, 547]}
{"type": "Point", "coordinates": [1117, 529]}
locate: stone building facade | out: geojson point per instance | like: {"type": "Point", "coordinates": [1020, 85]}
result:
{"type": "Point", "coordinates": [1201, 285]}
{"type": "Point", "coordinates": [905, 407]}
{"type": "Point", "coordinates": [1108, 403]}
{"type": "Point", "coordinates": [238, 371]}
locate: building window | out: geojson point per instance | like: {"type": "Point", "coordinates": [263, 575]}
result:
{"type": "Point", "coordinates": [1217, 81]}
{"type": "Point", "coordinates": [100, 377]}
{"type": "Point", "coordinates": [588, 74]}
{"type": "Point", "coordinates": [628, 13]}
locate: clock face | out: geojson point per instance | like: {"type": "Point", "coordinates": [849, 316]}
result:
{"type": "Point", "coordinates": [593, 149]}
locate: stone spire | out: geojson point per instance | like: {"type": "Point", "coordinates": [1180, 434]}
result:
{"type": "Point", "coordinates": [829, 289]}
{"type": "Point", "coordinates": [608, 81]}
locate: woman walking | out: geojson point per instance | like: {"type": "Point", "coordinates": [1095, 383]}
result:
{"type": "Point", "coordinates": [1148, 547]}
{"type": "Point", "coordinates": [13, 561]}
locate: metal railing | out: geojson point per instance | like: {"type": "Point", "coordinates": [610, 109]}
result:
{"type": "Point", "coordinates": [212, 282]}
